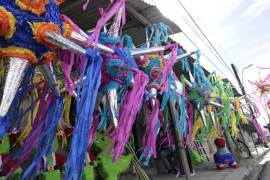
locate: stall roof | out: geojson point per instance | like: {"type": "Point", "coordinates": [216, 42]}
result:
{"type": "Point", "coordinates": [139, 16]}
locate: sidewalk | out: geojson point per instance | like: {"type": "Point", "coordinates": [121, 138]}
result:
{"type": "Point", "coordinates": [208, 171]}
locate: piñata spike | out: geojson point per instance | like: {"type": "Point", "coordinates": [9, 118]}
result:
{"type": "Point", "coordinates": [80, 38]}
{"type": "Point", "coordinates": [14, 76]}
{"type": "Point", "coordinates": [111, 95]}
{"type": "Point", "coordinates": [50, 77]}
{"type": "Point", "coordinates": [64, 43]}
{"type": "Point", "coordinates": [212, 114]}
{"type": "Point", "coordinates": [115, 27]}
{"type": "Point", "coordinates": [153, 95]}
{"type": "Point", "coordinates": [203, 116]}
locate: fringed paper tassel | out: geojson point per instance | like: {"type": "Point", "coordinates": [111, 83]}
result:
{"type": "Point", "coordinates": [169, 94]}
{"type": "Point", "coordinates": [128, 59]}
{"type": "Point", "coordinates": [85, 107]}
{"type": "Point", "coordinates": [212, 134]}
{"type": "Point", "coordinates": [259, 130]}
{"type": "Point", "coordinates": [199, 74]}
{"type": "Point", "coordinates": [159, 34]}
{"type": "Point", "coordinates": [190, 114]}
{"type": "Point", "coordinates": [2, 71]}
{"type": "Point", "coordinates": [127, 42]}
{"type": "Point", "coordinates": [34, 136]}
{"type": "Point", "coordinates": [46, 142]}
{"type": "Point", "coordinates": [240, 112]}
{"type": "Point", "coordinates": [93, 130]}
{"type": "Point", "coordinates": [168, 67]}
{"type": "Point", "coordinates": [185, 63]}
{"type": "Point", "coordinates": [105, 17]}
{"type": "Point", "coordinates": [183, 114]}
{"type": "Point", "coordinates": [151, 131]}
{"type": "Point", "coordinates": [235, 129]}
{"type": "Point", "coordinates": [12, 118]}
{"type": "Point", "coordinates": [66, 110]}
{"type": "Point", "coordinates": [130, 106]}
{"type": "Point", "coordinates": [197, 126]}
{"type": "Point", "coordinates": [31, 113]}
{"type": "Point", "coordinates": [70, 60]}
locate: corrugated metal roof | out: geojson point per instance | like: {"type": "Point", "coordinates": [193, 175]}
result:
{"type": "Point", "coordinates": [152, 14]}
{"type": "Point", "coordinates": [139, 15]}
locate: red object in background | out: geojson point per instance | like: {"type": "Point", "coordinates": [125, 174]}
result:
{"type": "Point", "coordinates": [8, 165]}
{"type": "Point", "coordinates": [220, 142]}
{"type": "Point", "coordinates": [92, 156]}
{"type": "Point", "coordinates": [13, 138]}
{"type": "Point", "coordinates": [60, 160]}
{"type": "Point", "coordinates": [69, 132]}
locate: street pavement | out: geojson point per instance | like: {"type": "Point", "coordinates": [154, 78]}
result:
{"type": "Point", "coordinates": [250, 169]}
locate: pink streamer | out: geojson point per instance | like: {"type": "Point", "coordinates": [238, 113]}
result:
{"type": "Point", "coordinates": [149, 139]}
{"type": "Point", "coordinates": [68, 61]}
{"type": "Point", "coordinates": [259, 130]}
{"type": "Point", "coordinates": [168, 66]}
{"type": "Point", "coordinates": [128, 110]}
{"type": "Point", "coordinates": [93, 130]}
{"type": "Point", "coordinates": [85, 5]}
{"type": "Point", "coordinates": [106, 16]}
{"type": "Point", "coordinates": [75, 28]}
{"type": "Point", "coordinates": [190, 122]}
{"type": "Point", "coordinates": [34, 136]}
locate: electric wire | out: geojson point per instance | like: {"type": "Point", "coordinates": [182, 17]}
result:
{"type": "Point", "coordinates": [210, 49]}
{"type": "Point", "coordinates": [207, 57]}
{"type": "Point", "coordinates": [202, 32]}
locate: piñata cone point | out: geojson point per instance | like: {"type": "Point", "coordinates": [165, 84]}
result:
{"type": "Point", "coordinates": [14, 76]}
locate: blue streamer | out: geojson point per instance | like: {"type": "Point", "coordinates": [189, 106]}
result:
{"type": "Point", "coordinates": [159, 33]}
{"type": "Point", "coordinates": [127, 58]}
{"type": "Point", "coordinates": [183, 113]}
{"type": "Point", "coordinates": [13, 117]}
{"type": "Point", "coordinates": [145, 159]}
{"type": "Point", "coordinates": [46, 142]}
{"type": "Point", "coordinates": [105, 39]}
{"type": "Point", "coordinates": [104, 117]}
{"type": "Point", "coordinates": [199, 74]}
{"type": "Point", "coordinates": [169, 94]}
{"type": "Point", "coordinates": [85, 108]}
{"type": "Point", "coordinates": [127, 42]}
{"type": "Point", "coordinates": [185, 63]}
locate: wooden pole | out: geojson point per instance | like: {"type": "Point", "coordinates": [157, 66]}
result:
{"type": "Point", "coordinates": [180, 149]}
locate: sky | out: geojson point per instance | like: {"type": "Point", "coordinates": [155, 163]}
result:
{"type": "Point", "coordinates": [239, 29]}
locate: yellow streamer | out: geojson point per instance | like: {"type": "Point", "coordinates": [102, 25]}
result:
{"type": "Point", "coordinates": [197, 126]}
{"type": "Point", "coordinates": [240, 112]}
{"type": "Point", "coordinates": [2, 70]}
{"type": "Point", "coordinates": [66, 110]}
{"type": "Point", "coordinates": [65, 120]}
{"type": "Point", "coordinates": [212, 134]}
{"type": "Point", "coordinates": [61, 136]}
{"type": "Point", "coordinates": [28, 120]}
{"type": "Point", "coordinates": [209, 108]}
{"type": "Point", "coordinates": [235, 130]}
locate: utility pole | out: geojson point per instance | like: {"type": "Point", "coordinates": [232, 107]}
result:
{"type": "Point", "coordinates": [242, 88]}
{"type": "Point", "coordinates": [244, 94]}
